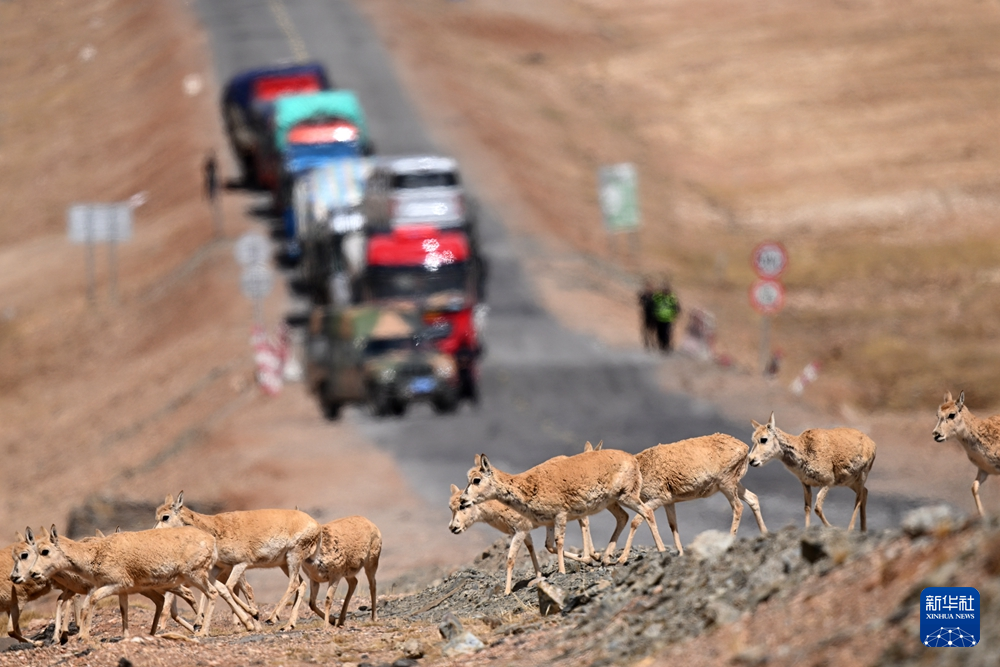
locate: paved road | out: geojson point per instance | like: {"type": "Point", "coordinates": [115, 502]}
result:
{"type": "Point", "coordinates": [545, 389]}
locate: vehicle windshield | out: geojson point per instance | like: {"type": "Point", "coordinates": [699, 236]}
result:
{"type": "Point", "coordinates": [379, 346]}
{"type": "Point", "coordinates": [393, 282]}
{"type": "Point", "coordinates": [425, 180]}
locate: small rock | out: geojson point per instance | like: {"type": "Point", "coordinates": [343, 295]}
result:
{"type": "Point", "coordinates": [405, 662]}
{"type": "Point", "coordinates": [710, 544]}
{"type": "Point", "coordinates": [751, 657]}
{"type": "Point", "coordinates": [412, 649]}
{"type": "Point", "coordinates": [20, 646]}
{"type": "Point", "coordinates": [821, 544]}
{"type": "Point", "coordinates": [936, 519]}
{"type": "Point", "coordinates": [459, 642]}
{"type": "Point", "coordinates": [721, 612]}
{"type": "Point", "coordinates": [124, 662]}
{"type": "Point", "coordinates": [551, 598]}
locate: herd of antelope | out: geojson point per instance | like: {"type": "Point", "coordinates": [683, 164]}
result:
{"type": "Point", "coordinates": [211, 553]}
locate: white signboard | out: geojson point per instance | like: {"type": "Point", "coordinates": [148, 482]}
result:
{"type": "Point", "coordinates": [252, 249]}
{"type": "Point", "coordinates": [257, 281]}
{"type": "Point", "coordinates": [99, 223]}
{"type": "Point", "coordinates": [619, 195]}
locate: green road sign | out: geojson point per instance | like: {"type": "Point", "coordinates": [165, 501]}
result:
{"type": "Point", "coordinates": [619, 194]}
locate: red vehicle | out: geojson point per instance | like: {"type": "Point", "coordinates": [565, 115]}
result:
{"type": "Point", "coordinates": [436, 269]}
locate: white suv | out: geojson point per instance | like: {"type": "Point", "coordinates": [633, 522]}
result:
{"type": "Point", "coordinates": [414, 190]}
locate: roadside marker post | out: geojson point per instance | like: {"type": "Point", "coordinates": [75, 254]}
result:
{"type": "Point", "coordinates": [767, 294]}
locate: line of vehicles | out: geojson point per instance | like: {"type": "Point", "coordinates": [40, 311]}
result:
{"type": "Point", "coordinates": [385, 247]}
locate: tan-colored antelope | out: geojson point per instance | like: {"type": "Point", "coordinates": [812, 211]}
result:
{"type": "Point", "coordinates": [979, 437]}
{"type": "Point", "coordinates": [692, 469]}
{"type": "Point", "coordinates": [345, 547]}
{"type": "Point", "coordinates": [511, 522]}
{"type": "Point", "coordinates": [823, 457]}
{"type": "Point", "coordinates": [72, 585]}
{"type": "Point", "coordinates": [251, 539]}
{"type": "Point", "coordinates": [147, 562]}
{"type": "Point", "coordinates": [15, 592]}
{"type": "Point", "coordinates": [566, 488]}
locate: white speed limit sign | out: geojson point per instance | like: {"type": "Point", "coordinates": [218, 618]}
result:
{"type": "Point", "coordinates": [767, 296]}
{"type": "Point", "coordinates": [770, 259]}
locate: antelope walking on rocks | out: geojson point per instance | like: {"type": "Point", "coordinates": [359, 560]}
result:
{"type": "Point", "coordinates": [251, 539]}
{"type": "Point", "coordinates": [979, 437]}
{"type": "Point", "coordinates": [566, 488]}
{"type": "Point", "coordinates": [344, 548]}
{"type": "Point", "coordinates": [820, 457]}
{"type": "Point", "coordinates": [16, 592]}
{"type": "Point", "coordinates": [511, 522]}
{"type": "Point", "coordinates": [147, 562]}
{"type": "Point", "coordinates": [691, 469]}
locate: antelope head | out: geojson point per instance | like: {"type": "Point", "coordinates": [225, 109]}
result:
{"type": "Point", "coordinates": [168, 514]}
{"type": "Point", "coordinates": [462, 516]}
{"type": "Point", "coordinates": [764, 442]}
{"type": "Point", "coordinates": [481, 483]}
{"type": "Point", "coordinates": [950, 417]}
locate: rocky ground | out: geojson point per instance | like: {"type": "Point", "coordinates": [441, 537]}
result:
{"type": "Point", "coordinates": [723, 602]}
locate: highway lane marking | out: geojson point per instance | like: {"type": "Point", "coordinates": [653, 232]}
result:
{"type": "Point", "coordinates": [285, 23]}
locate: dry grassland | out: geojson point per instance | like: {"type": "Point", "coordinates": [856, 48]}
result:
{"type": "Point", "coordinates": [865, 135]}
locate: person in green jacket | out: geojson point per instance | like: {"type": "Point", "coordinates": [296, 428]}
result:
{"type": "Point", "coordinates": [666, 308]}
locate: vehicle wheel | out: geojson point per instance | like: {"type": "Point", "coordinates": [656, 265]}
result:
{"type": "Point", "coordinates": [398, 408]}
{"type": "Point", "coordinates": [378, 402]}
{"type": "Point", "coordinates": [445, 404]}
{"type": "Point", "coordinates": [331, 408]}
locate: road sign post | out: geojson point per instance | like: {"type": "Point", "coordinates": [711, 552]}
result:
{"type": "Point", "coordinates": [618, 191]}
{"type": "Point", "coordinates": [93, 223]}
{"type": "Point", "coordinates": [767, 294]}
{"type": "Point", "coordinates": [257, 280]}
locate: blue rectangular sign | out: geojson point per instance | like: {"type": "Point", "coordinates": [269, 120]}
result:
{"type": "Point", "coordinates": [949, 616]}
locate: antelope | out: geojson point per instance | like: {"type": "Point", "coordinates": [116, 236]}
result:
{"type": "Point", "coordinates": [72, 585]}
{"type": "Point", "coordinates": [979, 437]}
{"type": "Point", "coordinates": [510, 522]}
{"type": "Point", "coordinates": [147, 562]}
{"type": "Point", "coordinates": [566, 488]}
{"type": "Point", "coordinates": [13, 594]}
{"type": "Point", "coordinates": [692, 469]}
{"type": "Point", "coordinates": [344, 547]}
{"type": "Point", "coordinates": [820, 457]}
{"type": "Point", "coordinates": [251, 539]}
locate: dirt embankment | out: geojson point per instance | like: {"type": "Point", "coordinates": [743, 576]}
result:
{"type": "Point", "coordinates": [154, 393]}
{"type": "Point", "coordinates": [862, 135]}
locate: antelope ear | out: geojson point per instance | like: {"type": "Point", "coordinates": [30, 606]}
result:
{"type": "Point", "coordinates": [478, 460]}
{"type": "Point", "coordinates": [454, 489]}
{"type": "Point", "coordinates": [169, 500]}
{"type": "Point", "coordinates": [947, 397]}
{"type": "Point", "coordinates": [99, 533]}
{"type": "Point", "coordinates": [29, 537]}
{"type": "Point", "coordinates": [961, 400]}
{"type": "Point", "coordinates": [770, 422]}
{"type": "Point", "coordinates": [118, 529]}
{"type": "Point", "coordinates": [18, 537]}
{"type": "Point", "coordinates": [753, 422]}
{"type": "Point", "coordinates": [179, 503]}
{"type": "Point", "coordinates": [599, 445]}
{"type": "Point", "coordinates": [588, 447]}
{"type": "Point", "coordinates": [484, 465]}
{"type": "Point", "coordinates": [54, 535]}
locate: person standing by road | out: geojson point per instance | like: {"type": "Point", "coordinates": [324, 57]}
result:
{"type": "Point", "coordinates": [666, 308]}
{"type": "Point", "coordinates": [647, 317]}
{"type": "Point", "coordinates": [211, 170]}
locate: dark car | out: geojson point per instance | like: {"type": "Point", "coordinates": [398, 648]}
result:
{"type": "Point", "coordinates": [247, 96]}
{"type": "Point", "coordinates": [380, 356]}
